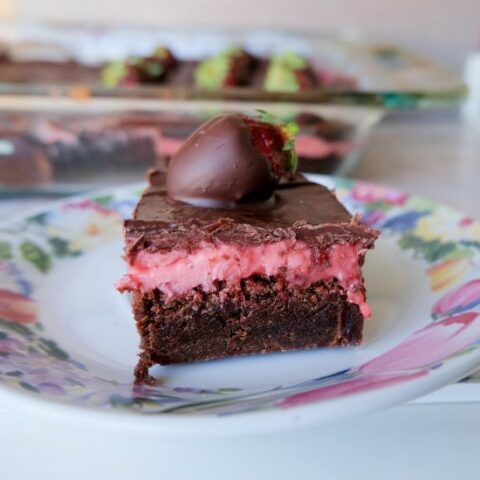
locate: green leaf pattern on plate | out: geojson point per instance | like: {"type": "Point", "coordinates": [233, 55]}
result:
{"type": "Point", "coordinates": [33, 254]}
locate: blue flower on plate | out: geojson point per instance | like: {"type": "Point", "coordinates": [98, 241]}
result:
{"type": "Point", "coordinates": [403, 222]}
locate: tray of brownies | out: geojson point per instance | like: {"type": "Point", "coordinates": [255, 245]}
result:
{"type": "Point", "coordinates": [235, 64]}
{"type": "Point", "coordinates": [72, 147]}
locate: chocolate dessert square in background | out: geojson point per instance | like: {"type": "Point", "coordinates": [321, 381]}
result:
{"type": "Point", "coordinates": [232, 253]}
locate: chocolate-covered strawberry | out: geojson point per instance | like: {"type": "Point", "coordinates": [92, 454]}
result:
{"type": "Point", "coordinates": [139, 70]}
{"type": "Point", "coordinates": [289, 72]}
{"type": "Point", "coordinates": [232, 159]}
{"type": "Point", "coordinates": [229, 68]}
{"type": "Point", "coordinates": [275, 140]}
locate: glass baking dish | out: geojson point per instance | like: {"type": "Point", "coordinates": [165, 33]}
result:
{"type": "Point", "coordinates": [76, 146]}
{"type": "Point", "coordinates": [68, 61]}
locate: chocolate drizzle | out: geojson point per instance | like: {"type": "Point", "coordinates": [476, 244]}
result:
{"type": "Point", "coordinates": [218, 167]}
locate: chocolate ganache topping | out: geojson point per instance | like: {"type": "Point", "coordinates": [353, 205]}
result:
{"type": "Point", "coordinates": [231, 160]}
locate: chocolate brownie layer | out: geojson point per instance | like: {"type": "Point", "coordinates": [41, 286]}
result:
{"type": "Point", "coordinates": [262, 315]}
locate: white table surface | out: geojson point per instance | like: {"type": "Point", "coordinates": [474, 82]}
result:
{"type": "Point", "coordinates": [406, 443]}
{"type": "Point", "coordinates": [429, 153]}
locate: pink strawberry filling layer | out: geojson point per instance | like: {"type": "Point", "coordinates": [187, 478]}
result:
{"type": "Point", "coordinates": [178, 272]}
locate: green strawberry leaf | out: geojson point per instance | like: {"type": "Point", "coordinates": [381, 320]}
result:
{"type": "Point", "coordinates": [267, 117]}
{"type": "Point", "coordinates": [211, 73]}
{"type": "Point", "coordinates": [289, 130]}
{"type": "Point", "coordinates": [292, 161]}
{"type": "Point", "coordinates": [289, 145]}
{"type": "Point", "coordinates": [152, 69]}
{"type": "Point", "coordinates": [112, 74]}
{"type": "Point", "coordinates": [160, 52]}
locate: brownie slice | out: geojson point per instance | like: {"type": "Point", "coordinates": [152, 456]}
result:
{"type": "Point", "coordinates": [304, 303]}
{"type": "Point", "coordinates": [22, 161]}
{"type": "Point", "coordinates": [47, 72]}
{"type": "Point", "coordinates": [78, 147]}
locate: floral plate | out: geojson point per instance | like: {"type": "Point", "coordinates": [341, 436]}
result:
{"type": "Point", "coordinates": [68, 343]}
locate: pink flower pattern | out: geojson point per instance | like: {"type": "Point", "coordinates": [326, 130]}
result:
{"type": "Point", "coordinates": [408, 361]}
{"type": "Point", "coordinates": [463, 298]}
{"type": "Point", "coordinates": [355, 385]}
{"type": "Point", "coordinates": [15, 307]}
{"type": "Point", "coordinates": [371, 193]}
